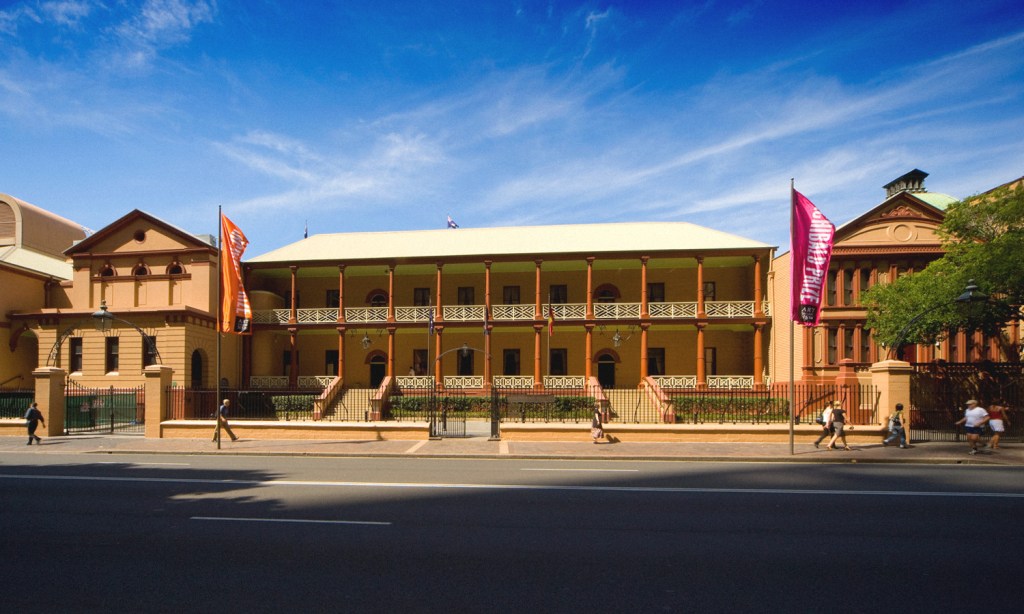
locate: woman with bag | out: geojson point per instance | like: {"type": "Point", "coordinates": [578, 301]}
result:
{"type": "Point", "coordinates": [596, 426]}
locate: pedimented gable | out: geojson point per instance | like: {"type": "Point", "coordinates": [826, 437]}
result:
{"type": "Point", "coordinates": [138, 233]}
{"type": "Point", "coordinates": [900, 221]}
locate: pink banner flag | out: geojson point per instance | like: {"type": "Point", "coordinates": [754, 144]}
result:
{"type": "Point", "coordinates": [811, 252]}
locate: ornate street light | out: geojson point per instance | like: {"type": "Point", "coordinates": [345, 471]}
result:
{"type": "Point", "coordinates": [969, 295]}
{"type": "Point", "coordinates": [103, 319]}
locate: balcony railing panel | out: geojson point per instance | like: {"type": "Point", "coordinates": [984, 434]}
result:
{"type": "Point", "coordinates": [464, 313]}
{"type": "Point", "coordinates": [672, 310]}
{"type": "Point", "coordinates": [317, 316]}
{"type": "Point", "coordinates": [414, 382]}
{"type": "Point", "coordinates": [366, 314]}
{"type": "Point", "coordinates": [729, 309]}
{"type": "Point", "coordinates": [514, 313]}
{"type": "Point", "coordinates": [616, 311]}
{"type": "Point", "coordinates": [412, 314]}
{"type": "Point", "coordinates": [517, 313]}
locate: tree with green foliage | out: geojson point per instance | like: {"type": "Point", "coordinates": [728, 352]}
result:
{"type": "Point", "coordinates": [984, 240]}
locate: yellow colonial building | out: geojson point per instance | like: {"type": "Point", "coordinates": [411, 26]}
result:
{"type": "Point", "coordinates": [157, 286]}
{"type": "Point", "coordinates": [525, 307]}
{"type": "Point", "coordinates": [32, 269]}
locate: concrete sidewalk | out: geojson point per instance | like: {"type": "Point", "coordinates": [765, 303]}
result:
{"type": "Point", "coordinates": [479, 447]}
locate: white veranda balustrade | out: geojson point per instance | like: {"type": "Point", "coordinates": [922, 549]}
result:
{"type": "Point", "coordinates": [513, 381]}
{"type": "Point", "coordinates": [677, 382]}
{"type": "Point", "coordinates": [457, 382]}
{"type": "Point", "coordinates": [616, 311]}
{"type": "Point", "coordinates": [414, 381]}
{"type": "Point", "coordinates": [305, 382]}
{"type": "Point", "coordinates": [563, 381]}
{"type": "Point", "coordinates": [517, 313]}
{"type": "Point", "coordinates": [672, 310]}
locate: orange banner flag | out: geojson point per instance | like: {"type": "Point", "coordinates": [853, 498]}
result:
{"type": "Point", "coordinates": [235, 311]}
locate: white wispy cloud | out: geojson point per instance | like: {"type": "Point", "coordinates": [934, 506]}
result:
{"type": "Point", "coordinates": [160, 24]}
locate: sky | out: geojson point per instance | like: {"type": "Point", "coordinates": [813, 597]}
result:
{"type": "Point", "coordinates": [375, 115]}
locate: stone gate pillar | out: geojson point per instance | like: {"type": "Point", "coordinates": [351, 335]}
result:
{"type": "Point", "coordinates": [158, 379]}
{"type": "Point", "coordinates": [50, 396]}
{"type": "Point", "coordinates": [892, 380]}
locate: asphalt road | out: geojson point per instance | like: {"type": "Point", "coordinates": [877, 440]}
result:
{"type": "Point", "coordinates": [135, 533]}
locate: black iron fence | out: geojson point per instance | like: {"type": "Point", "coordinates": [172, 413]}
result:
{"type": "Point", "coordinates": [771, 405]}
{"type": "Point", "coordinates": [112, 410]}
{"type": "Point", "coordinates": [14, 402]}
{"type": "Point", "coordinates": [273, 405]}
{"type": "Point", "coordinates": [939, 392]}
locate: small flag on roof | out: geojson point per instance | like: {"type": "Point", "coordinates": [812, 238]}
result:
{"type": "Point", "coordinates": [451, 223]}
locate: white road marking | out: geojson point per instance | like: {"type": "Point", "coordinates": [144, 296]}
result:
{"type": "Point", "coordinates": [580, 469]}
{"type": "Point", "coordinates": [291, 520]}
{"type": "Point", "coordinates": [527, 487]}
{"type": "Point", "coordinates": [417, 446]}
{"type": "Point", "coordinates": [134, 463]}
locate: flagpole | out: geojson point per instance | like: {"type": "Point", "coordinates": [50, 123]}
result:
{"type": "Point", "coordinates": [220, 281]}
{"type": "Point", "coordinates": [792, 325]}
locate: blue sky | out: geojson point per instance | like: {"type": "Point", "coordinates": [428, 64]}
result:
{"type": "Point", "coordinates": [391, 115]}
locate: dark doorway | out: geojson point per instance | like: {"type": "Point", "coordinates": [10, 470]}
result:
{"type": "Point", "coordinates": [606, 370]}
{"type": "Point", "coordinates": [378, 369]}
{"type": "Point", "coordinates": [196, 372]}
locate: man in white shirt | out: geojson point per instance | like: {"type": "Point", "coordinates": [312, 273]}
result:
{"type": "Point", "coordinates": [973, 421]}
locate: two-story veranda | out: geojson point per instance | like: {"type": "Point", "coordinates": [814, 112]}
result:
{"type": "Point", "coordinates": [537, 307]}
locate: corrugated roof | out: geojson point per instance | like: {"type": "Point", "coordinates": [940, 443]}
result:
{"type": "Point", "coordinates": [509, 241]}
{"type": "Point", "coordinates": [36, 262]}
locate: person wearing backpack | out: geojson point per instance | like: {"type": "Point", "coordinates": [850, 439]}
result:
{"type": "Point", "coordinates": [33, 417]}
{"type": "Point", "coordinates": [823, 421]}
{"type": "Point", "coordinates": [897, 430]}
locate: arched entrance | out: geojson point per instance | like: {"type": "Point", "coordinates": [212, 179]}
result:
{"type": "Point", "coordinates": [606, 370]}
{"type": "Point", "coordinates": [378, 369]}
{"type": "Point", "coordinates": [196, 370]}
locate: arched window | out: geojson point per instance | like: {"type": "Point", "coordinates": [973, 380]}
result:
{"type": "Point", "coordinates": [377, 298]}
{"type": "Point", "coordinates": [606, 293]}
{"type": "Point", "coordinates": [140, 270]}
{"type": "Point", "coordinates": [175, 269]}
{"type": "Point", "coordinates": [107, 271]}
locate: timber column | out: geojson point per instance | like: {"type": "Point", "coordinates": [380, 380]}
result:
{"type": "Point", "coordinates": [538, 382]}
{"type": "Point", "coordinates": [487, 325]}
{"type": "Point", "coordinates": [341, 322]}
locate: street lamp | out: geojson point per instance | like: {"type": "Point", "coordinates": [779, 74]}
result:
{"type": "Point", "coordinates": [103, 318]}
{"type": "Point", "coordinates": [969, 295]}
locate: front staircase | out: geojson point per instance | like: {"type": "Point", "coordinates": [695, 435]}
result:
{"type": "Point", "coordinates": [352, 405]}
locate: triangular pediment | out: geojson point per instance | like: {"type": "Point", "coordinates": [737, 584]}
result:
{"type": "Point", "coordinates": [135, 233]}
{"type": "Point", "coordinates": [900, 221]}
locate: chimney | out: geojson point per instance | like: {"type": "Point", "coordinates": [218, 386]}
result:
{"type": "Point", "coordinates": [911, 182]}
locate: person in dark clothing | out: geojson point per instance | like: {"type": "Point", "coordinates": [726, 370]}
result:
{"type": "Point", "coordinates": [837, 421]}
{"type": "Point", "coordinates": [33, 417]}
{"type": "Point", "coordinates": [222, 421]}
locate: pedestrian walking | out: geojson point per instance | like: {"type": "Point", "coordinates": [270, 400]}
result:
{"type": "Point", "coordinates": [33, 418]}
{"type": "Point", "coordinates": [998, 420]}
{"type": "Point", "coordinates": [973, 422]}
{"type": "Point", "coordinates": [837, 420]}
{"type": "Point", "coordinates": [222, 421]}
{"type": "Point", "coordinates": [596, 425]}
{"type": "Point", "coordinates": [826, 415]}
{"type": "Point", "coordinates": [897, 428]}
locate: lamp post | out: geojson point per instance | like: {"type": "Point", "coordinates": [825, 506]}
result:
{"type": "Point", "coordinates": [969, 295]}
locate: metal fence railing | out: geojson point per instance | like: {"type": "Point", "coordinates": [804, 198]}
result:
{"type": "Point", "coordinates": [14, 402]}
{"type": "Point", "coordinates": [274, 405]}
{"type": "Point", "coordinates": [771, 405]}
{"type": "Point", "coordinates": [939, 392]}
{"type": "Point", "coordinates": [110, 409]}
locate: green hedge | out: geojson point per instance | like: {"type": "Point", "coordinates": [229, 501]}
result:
{"type": "Point", "coordinates": [293, 406]}
{"type": "Point", "coordinates": [698, 408]}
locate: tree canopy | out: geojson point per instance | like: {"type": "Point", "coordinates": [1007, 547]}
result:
{"type": "Point", "coordinates": [984, 240]}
